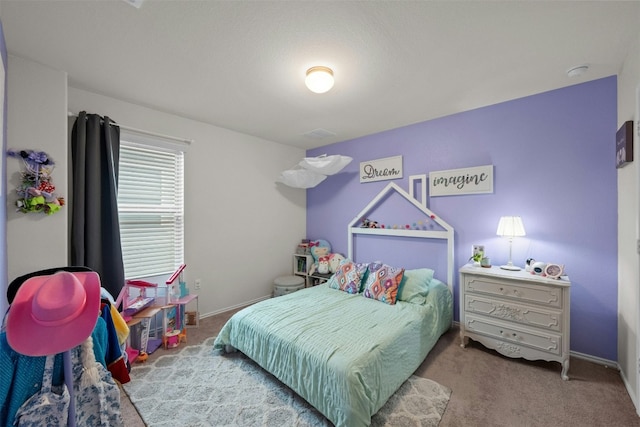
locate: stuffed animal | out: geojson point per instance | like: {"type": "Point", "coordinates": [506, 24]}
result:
{"type": "Point", "coordinates": [323, 265]}
{"type": "Point", "coordinates": [367, 223]}
{"type": "Point", "coordinates": [318, 248]}
{"type": "Point", "coordinates": [334, 262]}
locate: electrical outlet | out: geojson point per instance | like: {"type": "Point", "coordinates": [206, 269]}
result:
{"type": "Point", "coordinates": [197, 283]}
{"type": "Point", "coordinates": [475, 249]}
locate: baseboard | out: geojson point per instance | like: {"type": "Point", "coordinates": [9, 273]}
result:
{"type": "Point", "coordinates": [233, 307]}
{"type": "Point", "coordinates": [595, 359]}
{"type": "Point", "coordinates": [629, 388]}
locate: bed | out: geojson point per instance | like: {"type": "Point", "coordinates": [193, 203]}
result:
{"type": "Point", "coordinates": [343, 353]}
{"type": "Point", "coordinates": [343, 346]}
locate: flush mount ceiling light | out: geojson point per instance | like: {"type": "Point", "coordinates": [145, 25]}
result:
{"type": "Point", "coordinates": [319, 79]}
{"type": "Point", "coordinates": [577, 71]}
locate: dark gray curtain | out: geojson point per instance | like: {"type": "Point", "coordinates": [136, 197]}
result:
{"type": "Point", "coordinates": [95, 230]}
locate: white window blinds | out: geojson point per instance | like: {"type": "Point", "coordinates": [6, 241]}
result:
{"type": "Point", "coordinates": [150, 206]}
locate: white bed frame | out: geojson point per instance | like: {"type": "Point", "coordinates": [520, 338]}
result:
{"type": "Point", "coordinates": [445, 234]}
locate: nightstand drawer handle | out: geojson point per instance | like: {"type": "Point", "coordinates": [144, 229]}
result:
{"type": "Point", "coordinates": [513, 334]}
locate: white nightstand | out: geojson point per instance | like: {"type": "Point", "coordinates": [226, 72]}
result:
{"type": "Point", "coordinates": [516, 313]}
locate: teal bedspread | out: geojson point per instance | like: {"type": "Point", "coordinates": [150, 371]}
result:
{"type": "Point", "coordinates": [344, 354]}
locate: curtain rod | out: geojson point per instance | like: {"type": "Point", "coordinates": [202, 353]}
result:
{"type": "Point", "coordinates": [145, 132]}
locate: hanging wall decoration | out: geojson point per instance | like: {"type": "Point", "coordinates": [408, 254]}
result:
{"type": "Point", "coordinates": [311, 171]}
{"type": "Point", "coordinates": [454, 182]}
{"type": "Point", "coordinates": [36, 192]}
{"type": "Point", "coordinates": [381, 169]}
{"type": "Point", "coordinates": [624, 144]}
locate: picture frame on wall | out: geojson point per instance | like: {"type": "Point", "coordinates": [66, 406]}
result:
{"type": "Point", "coordinates": [624, 144]}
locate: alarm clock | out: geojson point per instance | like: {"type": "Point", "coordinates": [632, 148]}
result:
{"type": "Point", "coordinates": [554, 271]}
{"type": "Point", "coordinates": [538, 268]}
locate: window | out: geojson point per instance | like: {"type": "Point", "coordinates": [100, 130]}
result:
{"type": "Point", "coordinates": [150, 206]}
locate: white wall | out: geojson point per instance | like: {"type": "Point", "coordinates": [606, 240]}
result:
{"type": "Point", "coordinates": [37, 120]}
{"type": "Point", "coordinates": [241, 229]}
{"type": "Point", "coordinates": [629, 232]}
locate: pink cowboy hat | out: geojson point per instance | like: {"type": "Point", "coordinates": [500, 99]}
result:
{"type": "Point", "coordinates": [52, 314]}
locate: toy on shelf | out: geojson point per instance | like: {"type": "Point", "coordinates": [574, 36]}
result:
{"type": "Point", "coordinates": [172, 293]}
{"type": "Point", "coordinates": [422, 224]}
{"type": "Point", "coordinates": [324, 261]}
{"type": "Point", "coordinates": [171, 339]}
{"type": "Point", "coordinates": [174, 323]}
{"type": "Point", "coordinates": [137, 298]}
{"type": "Point", "coordinates": [303, 247]}
{"type": "Point", "coordinates": [142, 337]}
{"type": "Point", "coordinates": [368, 223]}
{"type": "Point", "coordinates": [132, 354]}
{"type": "Point", "coordinates": [134, 302]}
{"type": "Point", "coordinates": [319, 249]}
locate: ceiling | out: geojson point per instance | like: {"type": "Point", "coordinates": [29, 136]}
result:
{"type": "Point", "coordinates": [241, 65]}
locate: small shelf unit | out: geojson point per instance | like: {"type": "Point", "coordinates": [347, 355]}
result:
{"type": "Point", "coordinates": [302, 266]}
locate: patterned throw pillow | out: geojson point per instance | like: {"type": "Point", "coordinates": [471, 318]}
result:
{"type": "Point", "coordinates": [348, 276]}
{"type": "Point", "coordinates": [383, 282]}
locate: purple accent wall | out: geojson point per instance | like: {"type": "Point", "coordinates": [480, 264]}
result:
{"type": "Point", "coordinates": [554, 165]}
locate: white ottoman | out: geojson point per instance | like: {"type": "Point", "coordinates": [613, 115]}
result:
{"type": "Point", "coordinates": [284, 285]}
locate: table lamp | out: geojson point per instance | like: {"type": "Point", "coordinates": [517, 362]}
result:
{"type": "Point", "coordinates": [510, 226]}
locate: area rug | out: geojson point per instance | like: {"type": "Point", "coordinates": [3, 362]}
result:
{"type": "Point", "coordinates": [202, 387]}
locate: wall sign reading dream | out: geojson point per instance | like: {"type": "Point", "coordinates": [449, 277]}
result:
{"type": "Point", "coordinates": [453, 182]}
{"type": "Point", "coordinates": [381, 169]}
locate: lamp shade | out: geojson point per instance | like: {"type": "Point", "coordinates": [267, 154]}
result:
{"type": "Point", "coordinates": [319, 79]}
{"type": "Point", "coordinates": [326, 165]}
{"type": "Point", "coordinates": [510, 226]}
{"type": "Point", "coordinates": [301, 178]}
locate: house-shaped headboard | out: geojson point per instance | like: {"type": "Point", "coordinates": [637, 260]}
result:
{"type": "Point", "coordinates": [446, 232]}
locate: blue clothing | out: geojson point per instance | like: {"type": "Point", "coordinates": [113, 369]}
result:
{"type": "Point", "coordinates": [113, 355]}
{"type": "Point", "coordinates": [21, 376]}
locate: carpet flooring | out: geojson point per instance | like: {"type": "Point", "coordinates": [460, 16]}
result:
{"type": "Point", "coordinates": [488, 389]}
{"type": "Point", "coordinates": [198, 386]}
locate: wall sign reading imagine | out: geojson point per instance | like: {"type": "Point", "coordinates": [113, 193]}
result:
{"type": "Point", "coordinates": [381, 169]}
{"type": "Point", "coordinates": [452, 182]}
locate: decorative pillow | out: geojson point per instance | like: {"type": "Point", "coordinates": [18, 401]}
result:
{"type": "Point", "coordinates": [383, 282]}
{"type": "Point", "coordinates": [415, 285]}
{"type": "Point", "coordinates": [348, 276]}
